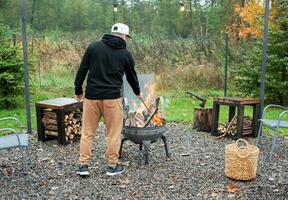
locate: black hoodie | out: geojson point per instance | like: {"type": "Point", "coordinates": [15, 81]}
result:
{"type": "Point", "coordinates": [106, 61]}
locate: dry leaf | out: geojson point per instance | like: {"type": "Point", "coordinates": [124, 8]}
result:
{"type": "Point", "coordinates": [7, 171]}
{"type": "Point", "coordinates": [124, 154]}
{"type": "Point", "coordinates": [214, 194]}
{"type": "Point", "coordinates": [174, 179]}
{"type": "Point", "coordinates": [124, 181]}
{"type": "Point", "coordinates": [271, 179]}
{"type": "Point", "coordinates": [276, 190]}
{"type": "Point", "coordinates": [231, 188]}
{"type": "Point", "coordinates": [126, 163]}
{"type": "Point", "coordinates": [135, 194]}
{"type": "Point", "coordinates": [123, 186]}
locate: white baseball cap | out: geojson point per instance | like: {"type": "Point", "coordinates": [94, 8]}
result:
{"type": "Point", "coordinates": [120, 28]}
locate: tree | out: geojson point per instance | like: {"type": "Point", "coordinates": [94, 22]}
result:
{"type": "Point", "coordinates": [251, 17]}
{"type": "Point", "coordinates": [11, 72]}
{"type": "Point", "coordinates": [247, 75]}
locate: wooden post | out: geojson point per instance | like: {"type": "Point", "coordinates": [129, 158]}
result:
{"type": "Point", "coordinates": [240, 119]}
{"type": "Point", "coordinates": [215, 117]}
{"type": "Point", "coordinates": [231, 112]}
{"type": "Point", "coordinates": [40, 127]}
{"type": "Point", "coordinates": [255, 123]}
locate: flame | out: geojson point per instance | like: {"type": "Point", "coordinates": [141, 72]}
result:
{"type": "Point", "coordinates": [138, 108]}
{"type": "Point", "coordinates": [150, 100]}
{"type": "Point", "coordinates": [149, 90]}
{"type": "Point", "coordinates": [157, 119]}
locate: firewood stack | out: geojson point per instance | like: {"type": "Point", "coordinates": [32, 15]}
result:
{"type": "Point", "coordinates": [135, 120]}
{"type": "Point", "coordinates": [231, 127]}
{"type": "Point", "coordinates": [72, 123]}
{"type": "Point", "coordinates": [150, 116]}
{"type": "Point", "coordinates": [139, 119]}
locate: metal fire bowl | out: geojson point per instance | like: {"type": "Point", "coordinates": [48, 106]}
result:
{"type": "Point", "coordinates": [139, 134]}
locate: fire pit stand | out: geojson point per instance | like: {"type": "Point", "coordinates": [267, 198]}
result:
{"type": "Point", "coordinates": [144, 137]}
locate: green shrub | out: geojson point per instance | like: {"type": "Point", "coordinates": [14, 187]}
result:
{"type": "Point", "coordinates": [11, 72]}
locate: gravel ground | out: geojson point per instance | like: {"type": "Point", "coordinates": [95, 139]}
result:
{"type": "Point", "coordinates": [194, 171]}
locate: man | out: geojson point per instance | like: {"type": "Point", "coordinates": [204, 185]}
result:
{"type": "Point", "coordinates": [106, 61]}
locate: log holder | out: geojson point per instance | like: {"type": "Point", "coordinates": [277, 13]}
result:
{"type": "Point", "coordinates": [144, 136]}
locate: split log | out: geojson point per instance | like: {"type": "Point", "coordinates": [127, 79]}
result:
{"type": "Point", "coordinates": [202, 119]}
{"type": "Point", "coordinates": [71, 136]}
{"type": "Point", "coordinates": [49, 114]}
{"type": "Point", "coordinates": [49, 121]}
{"type": "Point", "coordinates": [227, 130]}
{"type": "Point", "coordinates": [51, 127]}
{"type": "Point", "coordinates": [71, 115]}
{"type": "Point", "coordinates": [137, 119]}
{"type": "Point", "coordinates": [69, 130]}
{"type": "Point", "coordinates": [52, 133]}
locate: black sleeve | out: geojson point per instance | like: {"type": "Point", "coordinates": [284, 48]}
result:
{"type": "Point", "coordinates": [82, 72]}
{"type": "Point", "coordinates": [131, 75]}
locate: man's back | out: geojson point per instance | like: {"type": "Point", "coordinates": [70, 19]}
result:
{"type": "Point", "coordinates": [106, 61]}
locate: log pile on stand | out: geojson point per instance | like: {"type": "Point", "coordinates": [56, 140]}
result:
{"type": "Point", "coordinates": [72, 123]}
{"type": "Point", "coordinates": [230, 129]}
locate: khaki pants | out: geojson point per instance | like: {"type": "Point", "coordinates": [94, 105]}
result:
{"type": "Point", "coordinates": [112, 111]}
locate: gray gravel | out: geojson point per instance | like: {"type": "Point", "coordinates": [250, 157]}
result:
{"type": "Point", "coordinates": [194, 171]}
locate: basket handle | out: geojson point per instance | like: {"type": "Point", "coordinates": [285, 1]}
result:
{"type": "Point", "coordinates": [242, 147]}
{"type": "Point", "coordinates": [245, 156]}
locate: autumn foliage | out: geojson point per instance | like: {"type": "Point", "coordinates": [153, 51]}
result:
{"type": "Point", "coordinates": [250, 19]}
{"type": "Point", "coordinates": [251, 23]}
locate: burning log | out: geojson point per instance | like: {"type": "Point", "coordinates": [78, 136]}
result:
{"type": "Point", "coordinates": [72, 123]}
{"type": "Point", "coordinates": [147, 116]}
{"type": "Point", "coordinates": [144, 119]}
{"type": "Point", "coordinates": [158, 120]}
{"type": "Point", "coordinates": [135, 119]}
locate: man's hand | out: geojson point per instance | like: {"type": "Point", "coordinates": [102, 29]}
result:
{"type": "Point", "coordinates": [79, 97]}
{"type": "Point", "coordinates": [140, 96]}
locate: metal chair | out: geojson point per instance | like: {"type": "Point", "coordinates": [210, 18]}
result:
{"type": "Point", "coordinates": [15, 139]}
{"type": "Point", "coordinates": [273, 124]}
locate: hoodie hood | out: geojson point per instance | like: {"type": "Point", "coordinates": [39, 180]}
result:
{"type": "Point", "coordinates": [114, 41]}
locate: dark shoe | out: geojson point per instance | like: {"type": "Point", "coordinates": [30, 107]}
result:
{"type": "Point", "coordinates": [83, 170]}
{"type": "Point", "coordinates": [113, 171]}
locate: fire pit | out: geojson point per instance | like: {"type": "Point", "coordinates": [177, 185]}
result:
{"type": "Point", "coordinates": [144, 136]}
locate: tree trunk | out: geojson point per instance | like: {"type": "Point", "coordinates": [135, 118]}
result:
{"type": "Point", "coordinates": [33, 12]}
{"type": "Point", "coordinates": [202, 119]}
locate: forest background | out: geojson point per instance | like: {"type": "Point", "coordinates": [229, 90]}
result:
{"type": "Point", "coordinates": [184, 48]}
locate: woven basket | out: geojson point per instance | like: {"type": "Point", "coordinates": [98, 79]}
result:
{"type": "Point", "coordinates": [241, 160]}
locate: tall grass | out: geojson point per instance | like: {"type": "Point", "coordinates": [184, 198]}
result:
{"type": "Point", "coordinates": [176, 62]}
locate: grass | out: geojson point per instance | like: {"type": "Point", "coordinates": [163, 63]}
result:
{"type": "Point", "coordinates": [20, 114]}
{"type": "Point", "coordinates": [57, 82]}
{"type": "Point", "coordinates": [179, 106]}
